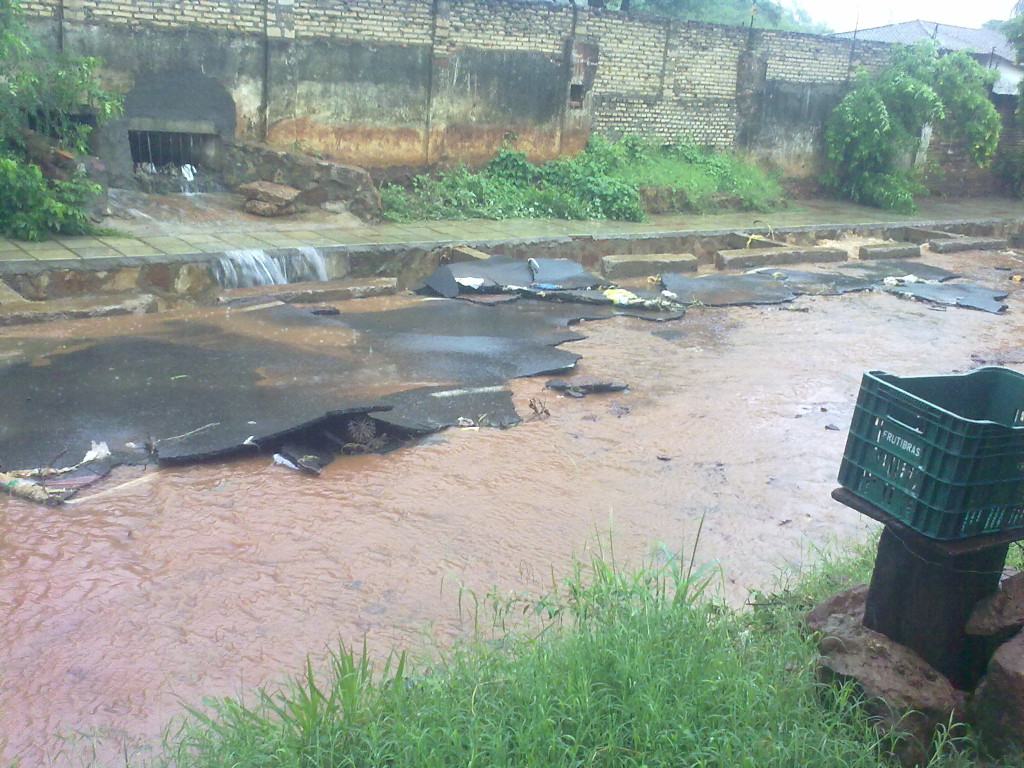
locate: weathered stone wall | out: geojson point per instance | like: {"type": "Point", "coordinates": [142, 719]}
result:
{"type": "Point", "coordinates": [386, 83]}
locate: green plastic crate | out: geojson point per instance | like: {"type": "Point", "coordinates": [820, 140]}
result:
{"type": "Point", "coordinates": [942, 454]}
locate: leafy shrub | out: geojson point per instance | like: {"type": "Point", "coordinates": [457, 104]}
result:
{"type": "Point", "coordinates": [32, 206]}
{"type": "Point", "coordinates": [43, 92]}
{"type": "Point", "coordinates": [1010, 169]}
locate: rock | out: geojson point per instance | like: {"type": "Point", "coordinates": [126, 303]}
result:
{"type": "Point", "coordinates": [268, 192]}
{"type": "Point", "coordinates": [997, 707]}
{"type": "Point", "coordinates": [263, 208]}
{"type": "Point", "coordinates": [322, 182]}
{"type": "Point", "coordinates": [849, 602]}
{"type": "Point", "coordinates": [909, 698]}
{"type": "Point", "coordinates": [1000, 612]}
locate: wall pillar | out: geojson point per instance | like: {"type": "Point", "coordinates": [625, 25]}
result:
{"type": "Point", "coordinates": [440, 51]}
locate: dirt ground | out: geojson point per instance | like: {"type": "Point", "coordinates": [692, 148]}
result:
{"type": "Point", "coordinates": [168, 585]}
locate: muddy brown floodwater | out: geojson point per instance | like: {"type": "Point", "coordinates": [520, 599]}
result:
{"type": "Point", "coordinates": [211, 579]}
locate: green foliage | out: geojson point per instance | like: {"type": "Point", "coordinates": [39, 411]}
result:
{"type": "Point", "coordinates": [764, 14]}
{"type": "Point", "coordinates": [31, 207]}
{"type": "Point", "coordinates": [1014, 31]}
{"type": "Point", "coordinates": [616, 668]}
{"type": "Point", "coordinates": [46, 93]}
{"type": "Point", "coordinates": [1010, 169]}
{"type": "Point", "coordinates": [602, 182]}
{"type": "Point", "coordinates": [703, 180]}
{"type": "Point", "coordinates": [874, 132]}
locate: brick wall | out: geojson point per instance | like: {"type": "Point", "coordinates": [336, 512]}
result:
{"type": "Point", "coordinates": [504, 25]}
{"type": "Point", "coordinates": [395, 21]}
{"type": "Point", "coordinates": [663, 77]}
{"type": "Point", "coordinates": [40, 9]}
{"type": "Point", "coordinates": [229, 15]}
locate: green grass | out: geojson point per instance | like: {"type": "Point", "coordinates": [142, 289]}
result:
{"type": "Point", "coordinates": [616, 668]}
{"type": "Point", "coordinates": [605, 181]}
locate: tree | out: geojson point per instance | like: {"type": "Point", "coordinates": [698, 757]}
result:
{"type": "Point", "coordinates": [42, 96]}
{"type": "Point", "coordinates": [877, 126]}
{"type": "Point", "coordinates": [762, 13]}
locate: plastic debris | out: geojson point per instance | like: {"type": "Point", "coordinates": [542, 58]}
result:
{"type": "Point", "coordinates": [97, 452]}
{"type": "Point", "coordinates": [23, 489]}
{"type": "Point", "coordinates": [279, 459]}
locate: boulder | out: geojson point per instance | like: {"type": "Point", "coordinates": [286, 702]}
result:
{"type": "Point", "coordinates": [323, 183]}
{"type": "Point", "coordinates": [268, 192]}
{"type": "Point", "coordinates": [1000, 612]}
{"type": "Point", "coordinates": [909, 699]}
{"type": "Point", "coordinates": [997, 707]}
{"type": "Point", "coordinates": [268, 209]}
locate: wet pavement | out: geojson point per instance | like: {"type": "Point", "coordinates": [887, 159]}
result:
{"type": "Point", "coordinates": [163, 227]}
{"type": "Point", "coordinates": [201, 387]}
{"type": "Point", "coordinates": [161, 586]}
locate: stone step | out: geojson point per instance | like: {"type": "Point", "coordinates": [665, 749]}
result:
{"type": "Point", "coordinates": [922, 235]}
{"type": "Point", "coordinates": [890, 251]}
{"type": "Point", "coordinates": [958, 244]}
{"type": "Point", "coordinates": [312, 292]}
{"type": "Point", "coordinates": [618, 267]}
{"type": "Point", "coordinates": [776, 257]}
{"type": "Point", "coordinates": [10, 296]}
{"type": "Point", "coordinates": [25, 312]}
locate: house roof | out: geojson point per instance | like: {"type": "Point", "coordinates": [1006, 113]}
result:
{"type": "Point", "coordinates": [982, 43]}
{"type": "Point", "coordinates": [947, 36]}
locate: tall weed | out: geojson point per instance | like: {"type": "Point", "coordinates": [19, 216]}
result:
{"type": "Point", "coordinates": [603, 182]}
{"type": "Point", "coordinates": [614, 667]}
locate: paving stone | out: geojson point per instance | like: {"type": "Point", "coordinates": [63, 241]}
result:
{"type": "Point", "coordinates": [890, 251]}
{"type": "Point", "coordinates": [621, 266]}
{"type": "Point", "coordinates": [768, 257]}
{"type": "Point", "coordinates": [23, 313]}
{"type": "Point", "coordinates": [306, 293]}
{"type": "Point", "coordinates": [958, 244]}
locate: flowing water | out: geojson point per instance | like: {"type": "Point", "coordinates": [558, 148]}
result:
{"type": "Point", "coordinates": [251, 267]}
{"type": "Point", "coordinates": [169, 585]}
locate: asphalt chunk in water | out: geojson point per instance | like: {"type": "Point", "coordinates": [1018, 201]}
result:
{"type": "Point", "coordinates": [424, 410]}
{"type": "Point", "coordinates": [877, 271]}
{"type": "Point", "coordinates": [817, 283]}
{"type": "Point", "coordinates": [954, 295]}
{"type": "Point", "coordinates": [728, 290]}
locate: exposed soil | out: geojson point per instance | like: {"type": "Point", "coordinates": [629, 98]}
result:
{"type": "Point", "coordinates": [165, 586]}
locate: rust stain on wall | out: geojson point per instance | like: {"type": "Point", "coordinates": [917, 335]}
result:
{"type": "Point", "coordinates": [386, 146]}
{"type": "Point", "coordinates": [476, 144]}
{"type": "Point", "coordinates": [366, 145]}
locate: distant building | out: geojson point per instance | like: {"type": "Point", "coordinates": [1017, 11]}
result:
{"type": "Point", "coordinates": [990, 48]}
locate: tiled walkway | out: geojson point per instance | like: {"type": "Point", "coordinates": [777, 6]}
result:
{"type": "Point", "coordinates": [154, 241]}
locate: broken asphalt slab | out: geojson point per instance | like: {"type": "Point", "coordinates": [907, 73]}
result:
{"type": "Point", "coordinates": [560, 280]}
{"type": "Point", "coordinates": [877, 271]}
{"type": "Point", "coordinates": [424, 410]}
{"type": "Point", "coordinates": [773, 285]}
{"type": "Point", "coordinates": [817, 283]}
{"type": "Point", "coordinates": [503, 274]}
{"type": "Point", "coordinates": [194, 390]}
{"type": "Point", "coordinates": [954, 295]}
{"type": "Point", "coordinates": [728, 290]}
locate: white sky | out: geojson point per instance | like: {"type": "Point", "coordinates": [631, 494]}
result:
{"type": "Point", "coordinates": [842, 15]}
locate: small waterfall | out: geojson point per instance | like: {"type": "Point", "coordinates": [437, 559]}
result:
{"type": "Point", "coordinates": [309, 266]}
{"type": "Point", "coordinates": [251, 267]}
